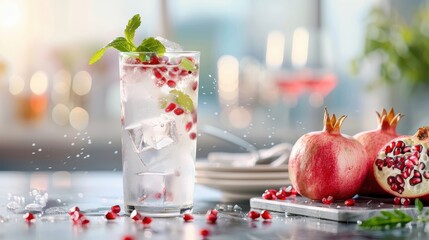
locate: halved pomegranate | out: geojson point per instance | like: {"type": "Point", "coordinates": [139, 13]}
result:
{"type": "Point", "coordinates": [327, 163]}
{"type": "Point", "coordinates": [401, 167]}
{"type": "Point", "coordinates": [373, 140]}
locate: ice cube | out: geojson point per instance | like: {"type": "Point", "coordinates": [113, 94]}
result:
{"type": "Point", "coordinates": [34, 207]}
{"type": "Point", "coordinates": [153, 133]}
{"type": "Point", "coordinates": [155, 187]}
{"type": "Point", "coordinates": [169, 45]}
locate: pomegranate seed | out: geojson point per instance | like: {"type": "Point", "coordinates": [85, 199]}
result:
{"type": "Point", "coordinates": [414, 159]}
{"type": "Point", "coordinates": [135, 215]}
{"type": "Point", "coordinates": [390, 180]}
{"type": "Point", "coordinates": [163, 69]}
{"type": "Point", "coordinates": [172, 74]}
{"type": "Point", "coordinates": [154, 60]}
{"type": "Point", "coordinates": [397, 151]}
{"type": "Point", "coordinates": [146, 220]}
{"type": "Point", "coordinates": [418, 148]}
{"type": "Point", "coordinates": [178, 111]}
{"type": "Point", "coordinates": [211, 218]}
{"type": "Point", "coordinates": [399, 179]}
{"type": "Point", "coordinates": [29, 217]}
{"type": "Point", "coordinates": [272, 191]}
{"type": "Point", "coordinates": [253, 215]}
{"type": "Point", "coordinates": [400, 144]}
{"type": "Point", "coordinates": [281, 195]}
{"type": "Point", "coordinates": [268, 196]}
{"type": "Point", "coordinates": [405, 201]}
{"type": "Point", "coordinates": [204, 232]}
{"type": "Point", "coordinates": [426, 175]}
{"type": "Point", "coordinates": [84, 221]}
{"type": "Point", "coordinates": [397, 200]}
{"type": "Point", "coordinates": [188, 126]}
{"type": "Point", "coordinates": [110, 215]}
{"type": "Point", "coordinates": [73, 209]}
{"type": "Point", "coordinates": [175, 69]}
{"type": "Point", "coordinates": [394, 187]}
{"type": "Point", "coordinates": [183, 72]}
{"type": "Point", "coordinates": [194, 116]}
{"type": "Point", "coordinates": [192, 136]}
{"type": "Point", "coordinates": [188, 217]}
{"type": "Point", "coordinates": [328, 200]}
{"type": "Point", "coordinates": [409, 163]}
{"type": "Point", "coordinates": [212, 211]}
{"type": "Point", "coordinates": [406, 149]}
{"type": "Point", "coordinates": [266, 215]}
{"type": "Point", "coordinates": [171, 83]}
{"type": "Point", "coordinates": [191, 59]}
{"type": "Point", "coordinates": [157, 74]}
{"type": "Point", "coordinates": [170, 107]}
{"type": "Point", "coordinates": [415, 180]}
{"type": "Point", "coordinates": [388, 149]}
{"type": "Point", "coordinates": [137, 61]}
{"type": "Point", "coordinates": [116, 209]}
{"type": "Point", "coordinates": [350, 202]}
{"type": "Point", "coordinates": [194, 85]}
{"type": "Point", "coordinates": [128, 237]}
{"type": "Point", "coordinates": [160, 82]}
{"type": "Point", "coordinates": [417, 174]}
{"type": "Point", "coordinates": [77, 217]}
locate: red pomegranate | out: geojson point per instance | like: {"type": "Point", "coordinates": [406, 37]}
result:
{"type": "Point", "coordinates": [328, 163]}
{"type": "Point", "coordinates": [373, 141]}
{"type": "Point", "coordinates": [401, 167]}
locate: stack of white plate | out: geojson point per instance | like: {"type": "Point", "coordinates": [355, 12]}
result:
{"type": "Point", "coordinates": [239, 183]}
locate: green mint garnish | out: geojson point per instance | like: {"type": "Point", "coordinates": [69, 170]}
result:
{"type": "Point", "coordinates": [183, 100]}
{"type": "Point", "coordinates": [397, 218]}
{"type": "Point", "coordinates": [187, 64]}
{"type": "Point", "coordinates": [126, 44]}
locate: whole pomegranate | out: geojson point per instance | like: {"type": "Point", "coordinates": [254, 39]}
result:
{"type": "Point", "coordinates": [327, 163]}
{"type": "Point", "coordinates": [401, 167]}
{"type": "Point", "coordinates": [373, 141]}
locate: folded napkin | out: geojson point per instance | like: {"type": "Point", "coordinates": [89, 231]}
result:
{"type": "Point", "coordinates": [275, 156]}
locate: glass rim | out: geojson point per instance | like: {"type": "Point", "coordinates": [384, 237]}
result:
{"type": "Point", "coordinates": [174, 52]}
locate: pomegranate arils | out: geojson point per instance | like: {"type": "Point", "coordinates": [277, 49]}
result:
{"type": "Point", "coordinates": [128, 237]}
{"type": "Point", "coordinates": [163, 69]}
{"type": "Point", "coordinates": [188, 217]}
{"type": "Point", "coordinates": [212, 211]}
{"type": "Point", "coordinates": [281, 195]}
{"type": "Point", "coordinates": [73, 210]}
{"type": "Point", "coordinates": [188, 126]}
{"type": "Point", "coordinates": [266, 215]}
{"type": "Point", "coordinates": [154, 60]}
{"type": "Point", "coordinates": [192, 136]}
{"type": "Point", "coordinates": [178, 111]}
{"type": "Point", "coordinates": [157, 73]}
{"type": "Point", "coordinates": [135, 215]}
{"type": "Point", "coordinates": [171, 83]}
{"type": "Point", "coordinates": [194, 86]}
{"type": "Point", "coordinates": [327, 200]}
{"type": "Point", "coordinates": [29, 217]}
{"type": "Point", "coordinates": [405, 201]}
{"type": "Point", "coordinates": [170, 107]}
{"type": "Point", "coordinates": [211, 218]}
{"type": "Point", "coordinates": [426, 175]}
{"type": "Point", "coordinates": [110, 215]}
{"type": "Point", "coordinates": [350, 202]}
{"type": "Point", "coordinates": [146, 220]}
{"type": "Point", "coordinates": [116, 209]}
{"type": "Point", "coordinates": [253, 215]}
{"type": "Point", "coordinates": [397, 200]}
{"type": "Point", "coordinates": [204, 232]}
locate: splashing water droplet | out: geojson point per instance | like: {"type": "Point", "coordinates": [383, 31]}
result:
{"type": "Point", "coordinates": [109, 142]}
{"type": "Point", "coordinates": [39, 149]}
{"type": "Point", "coordinates": [33, 144]}
{"type": "Point", "coordinates": [77, 155]}
{"type": "Point", "coordinates": [13, 205]}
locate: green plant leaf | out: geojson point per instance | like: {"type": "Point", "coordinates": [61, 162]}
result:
{"type": "Point", "coordinates": [119, 43]}
{"type": "Point", "coordinates": [187, 64]}
{"type": "Point", "coordinates": [387, 219]}
{"type": "Point", "coordinates": [131, 27]}
{"type": "Point", "coordinates": [183, 100]}
{"type": "Point", "coordinates": [419, 205]}
{"type": "Point", "coordinates": [151, 45]}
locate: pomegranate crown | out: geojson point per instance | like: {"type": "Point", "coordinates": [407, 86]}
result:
{"type": "Point", "coordinates": [332, 124]}
{"type": "Point", "coordinates": [422, 133]}
{"type": "Point", "coordinates": [388, 120]}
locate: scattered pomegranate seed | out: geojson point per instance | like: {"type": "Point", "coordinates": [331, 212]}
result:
{"type": "Point", "coordinates": [146, 220]}
{"type": "Point", "coordinates": [328, 200]}
{"type": "Point", "coordinates": [73, 210]}
{"type": "Point", "coordinates": [269, 196]}
{"type": "Point", "coordinates": [350, 202]}
{"type": "Point", "coordinates": [29, 217]}
{"type": "Point", "coordinates": [188, 217]}
{"type": "Point", "coordinates": [266, 215]}
{"type": "Point", "coordinates": [84, 221]}
{"type": "Point", "coordinates": [192, 136]}
{"type": "Point", "coordinates": [281, 195]}
{"type": "Point", "coordinates": [171, 83]}
{"type": "Point", "coordinates": [178, 111]}
{"type": "Point", "coordinates": [128, 237]}
{"type": "Point", "coordinates": [170, 107]}
{"type": "Point", "coordinates": [110, 215]}
{"type": "Point", "coordinates": [253, 215]}
{"type": "Point", "coordinates": [272, 191]}
{"type": "Point", "coordinates": [135, 215]}
{"type": "Point", "coordinates": [212, 211]}
{"type": "Point", "coordinates": [405, 201]}
{"type": "Point", "coordinates": [157, 74]}
{"type": "Point", "coordinates": [397, 200]}
{"type": "Point", "coordinates": [204, 232]}
{"type": "Point", "coordinates": [211, 218]}
{"type": "Point", "coordinates": [188, 126]}
{"type": "Point", "coordinates": [194, 85]}
{"type": "Point", "coordinates": [77, 217]}
{"type": "Point", "coordinates": [116, 209]}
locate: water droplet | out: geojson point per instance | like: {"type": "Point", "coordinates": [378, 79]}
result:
{"type": "Point", "coordinates": [80, 195]}
{"type": "Point", "coordinates": [109, 142]}
{"type": "Point", "coordinates": [78, 134]}
{"type": "Point", "coordinates": [49, 167]}
{"type": "Point", "coordinates": [216, 113]}
{"type": "Point", "coordinates": [65, 135]}
{"type": "Point", "coordinates": [116, 152]}
{"type": "Point", "coordinates": [56, 210]}
{"type": "Point", "coordinates": [34, 207]}
{"type": "Point", "coordinates": [13, 205]}
{"type": "Point", "coordinates": [77, 155]}
{"type": "Point", "coordinates": [89, 141]}
{"type": "Point", "coordinates": [210, 75]}
{"type": "Point", "coordinates": [72, 144]}
{"type": "Point", "coordinates": [88, 155]}
{"type": "Point", "coordinates": [33, 153]}
{"type": "Point", "coordinates": [37, 169]}
{"type": "Point", "coordinates": [39, 149]}
{"type": "Point", "coordinates": [114, 170]}
{"type": "Point", "coordinates": [33, 144]}
{"type": "Point", "coordinates": [68, 156]}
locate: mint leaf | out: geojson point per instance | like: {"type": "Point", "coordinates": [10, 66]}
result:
{"type": "Point", "coordinates": [387, 220]}
{"type": "Point", "coordinates": [151, 45]}
{"type": "Point", "coordinates": [419, 205]}
{"type": "Point", "coordinates": [130, 30]}
{"type": "Point", "coordinates": [187, 64]}
{"type": "Point", "coordinates": [183, 100]}
{"type": "Point", "coordinates": [119, 43]}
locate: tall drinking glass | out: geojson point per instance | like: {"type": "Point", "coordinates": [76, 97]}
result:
{"type": "Point", "coordinates": [159, 96]}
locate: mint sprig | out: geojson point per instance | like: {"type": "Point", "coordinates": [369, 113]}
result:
{"type": "Point", "coordinates": [397, 218]}
{"type": "Point", "coordinates": [126, 44]}
{"type": "Point", "coordinates": [188, 64]}
{"type": "Point", "coordinates": [183, 100]}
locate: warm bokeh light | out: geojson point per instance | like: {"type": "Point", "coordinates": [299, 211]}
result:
{"type": "Point", "coordinates": [16, 85]}
{"type": "Point", "coordinates": [39, 83]}
{"type": "Point", "coordinates": [61, 86]}
{"type": "Point", "coordinates": [275, 49]}
{"type": "Point", "coordinates": [60, 114]}
{"type": "Point", "coordinates": [240, 117]}
{"type": "Point", "coordinates": [228, 72]}
{"type": "Point", "coordinates": [300, 47]}
{"type": "Point", "coordinates": [82, 83]}
{"type": "Point", "coordinates": [10, 14]}
{"type": "Point", "coordinates": [79, 118]}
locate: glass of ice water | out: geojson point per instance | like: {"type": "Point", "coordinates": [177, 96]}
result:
{"type": "Point", "coordinates": [159, 97]}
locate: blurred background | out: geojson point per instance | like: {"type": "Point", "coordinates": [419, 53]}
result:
{"type": "Point", "coordinates": [267, 71]}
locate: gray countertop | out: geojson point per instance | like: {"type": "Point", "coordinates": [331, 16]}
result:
{"type": "Point", "coordinates": [95, 192]}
